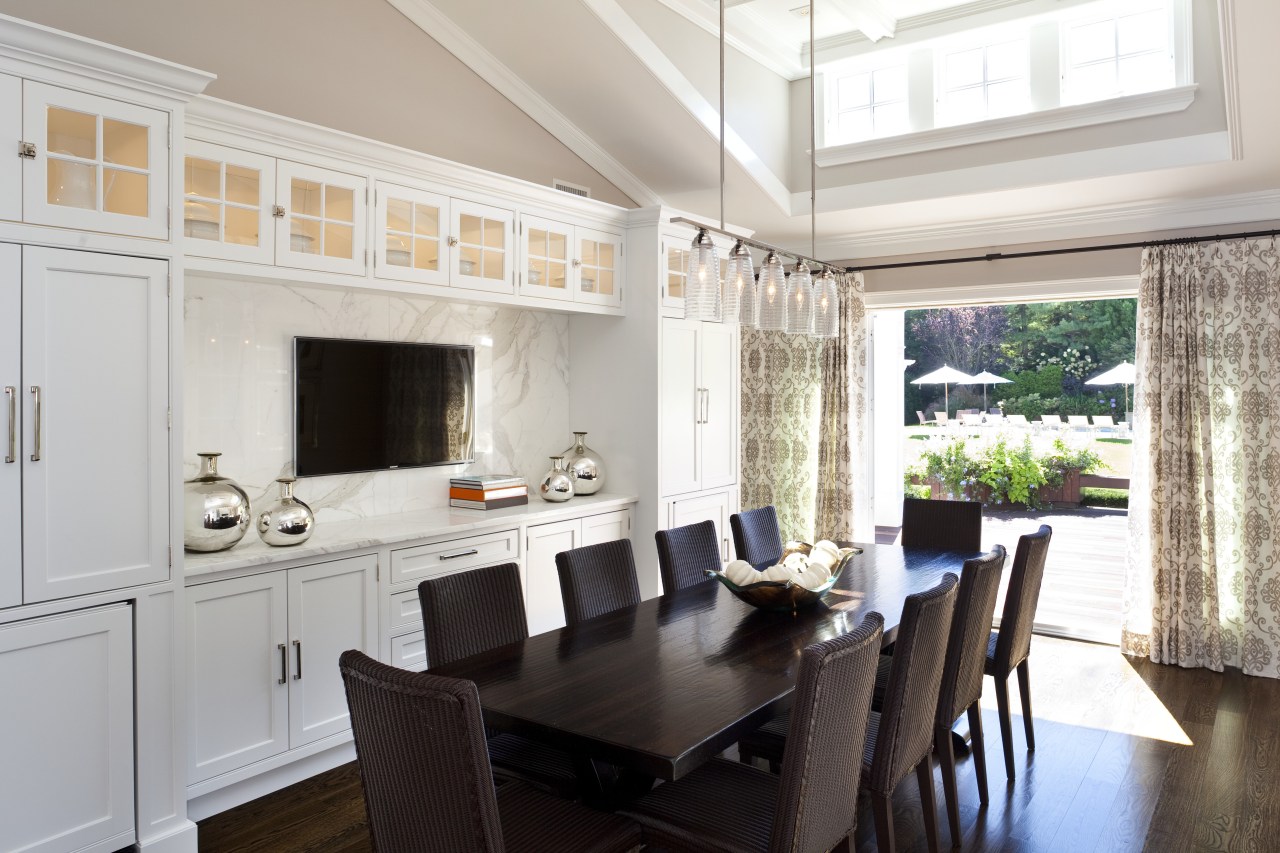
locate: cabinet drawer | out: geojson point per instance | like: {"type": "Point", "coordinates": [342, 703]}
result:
{"type": "Point", "coordinates": [406, 610]}
{"type": "Point", "coordinates": [409, 651]}
{"type": "Point", "coordinates": [411, 565]}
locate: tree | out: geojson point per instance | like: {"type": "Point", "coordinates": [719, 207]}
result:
{"type": "Point", "coordinates": [968, 339]}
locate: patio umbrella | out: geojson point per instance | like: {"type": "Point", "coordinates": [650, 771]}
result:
{"type": "Point", "coordinates": [986, 377]}
{"type": "Point", "coordinates": [1123, 373]}
{"type": "Point", "coordinates": [942, 376]}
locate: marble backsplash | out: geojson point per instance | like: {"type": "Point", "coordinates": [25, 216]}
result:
{"type": "Point", "coordinates": [238, 386]}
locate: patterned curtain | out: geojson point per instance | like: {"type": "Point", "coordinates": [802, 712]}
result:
{"type": "Point", "coordinates": [844, 500]}
{"type": "Point", "coordinates": [1203, 580]}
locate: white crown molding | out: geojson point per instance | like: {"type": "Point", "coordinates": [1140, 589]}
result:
{"type": "Point", "coordinates": [1147, 217]}
{"type": "Point", "coordinates": [1011, 127]}
{"type": "Point", "coordinates": [687, 95]}
{"type": "Point", "coordinates": [745, 32]}
{"type": "Point", "coordinates": [471, 53]}
{"type": "Point", "coordinates": [1230, 75]}
{"type": "Point", "coordinates": [1107, 287]}
{"type": "Point", "coordinates": [68, 54]}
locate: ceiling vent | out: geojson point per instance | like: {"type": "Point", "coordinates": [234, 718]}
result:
{"type": "Point", "coordinates": [571, 189]}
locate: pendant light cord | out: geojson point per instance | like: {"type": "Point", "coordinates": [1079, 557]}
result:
{"type": "Point", "coordinates": [722, 114]}
{"type": "Point", "coordinates": [813, 149]}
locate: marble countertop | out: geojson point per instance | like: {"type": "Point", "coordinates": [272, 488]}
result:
{"type": "Point", "coordinates": [348, 535]}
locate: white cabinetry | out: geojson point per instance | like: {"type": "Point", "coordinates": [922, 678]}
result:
{"type": "Point", "coordinates": [92, 163]}
{"type": "Point", "coordinates": [10, 167]}
{"type": "Point", "coordinates": [86, 447]}
{"type": "Point", "coordinates": [697, 406]}
{"type": "Point", "coordinates": [714, 507]}
{"type": "Point", "coordinates": [320, 218]}
{"type": "Point", "coordinates": [569, 263]}
{"type": "Point", "coordinates": [482, 245]}
{"type": "Point", "coordinates": [66, 732]}
{"type": "Point", "coordinates": [543, 605]}
{"type": "Point", "coordinates": [262, 654]}
{"type": "Point", "coordinates": [410, 225]}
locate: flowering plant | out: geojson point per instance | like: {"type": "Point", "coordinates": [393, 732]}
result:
{"type": "Point", "coordinates": [1011, 471]}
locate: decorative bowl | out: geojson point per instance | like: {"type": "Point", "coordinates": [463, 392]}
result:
{"type": "Point", "coordinates": [786, 595]}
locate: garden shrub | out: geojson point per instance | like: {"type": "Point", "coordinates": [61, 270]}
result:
{"type": "Point", "coordinates": [1012, 471]}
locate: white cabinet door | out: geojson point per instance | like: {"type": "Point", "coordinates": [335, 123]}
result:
{"type": "Point", "coordinates": [675, 264]}
{"type": "Point", "coordinates": [320, 223]}
{"type": "Point", "coordinates": [409, 229]}
{"type": "Point", "coordinates": [714, 508]}
{"type": "Point", "coordinates": [606, 527]}
{"type": "Point", "coordinates": [227, 203]}
{"type": "Point", "coordinates": [717, 363]}
{"type": "Point", "coordinates": [598, 266]}
{"type": "Point", "coordinates": [66, 732]}
{"type": "Point", "coordinates": [543, 605]}
{"type": "Point", "coordinates": [96, 453]}
{"type": "Point", "coordinates": [11, 423]}
{"type": "Point", "coordinates": [547, 270]}
{"type": "Point", "coordinates": [483, 247]}
{"type": "Point", "coordinates": [238, 673]}
{"type": "Point", "coordinates": [98, 164]}
{"type": "Point", "coordinates": [679, 407]}
{"type": "Point", "coordinates": [10, 167]}
{"type": "Point", "coordinates": [332, 608]}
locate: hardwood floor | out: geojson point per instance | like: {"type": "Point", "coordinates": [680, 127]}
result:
{"type": "Point", "coordinates": [1130, 756]}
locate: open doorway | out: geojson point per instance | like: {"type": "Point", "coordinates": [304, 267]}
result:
{"type": "Point", "coordinates": [1037, 444]}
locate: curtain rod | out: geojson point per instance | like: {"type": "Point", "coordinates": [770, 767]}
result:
{"type": "Point", "coordinates": [1000, 256]}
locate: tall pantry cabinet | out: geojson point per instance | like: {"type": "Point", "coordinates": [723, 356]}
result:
{"type": "Point", "coordinates": [88, 604]}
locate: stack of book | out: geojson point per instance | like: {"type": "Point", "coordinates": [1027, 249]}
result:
{"type": "Point", "coordinates": [488, 491]}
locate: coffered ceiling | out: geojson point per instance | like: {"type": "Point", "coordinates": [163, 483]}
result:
{"type": "Point", "coordinates": [632, 87]}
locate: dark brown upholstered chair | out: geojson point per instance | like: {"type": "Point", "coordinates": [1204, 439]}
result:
{"type": "Point", "coordinates": [756, 537]}
{"type": "Point", "coordinates": [1009, 647]}
{"type": "Point", "coordinates": [948, 525]}
{"type": "Point", "coordinates": [597, 579]}
{"type": "Point", "coordinates": [899, 737]}
{"type": "Point", "coordinates": [466, 613]}
{"type": "Point", "coordinates": [813, 806]}
{"type": "Point", "coordinates": [684, 553]}
{"type": "Point", "coordinates": [425, 771]}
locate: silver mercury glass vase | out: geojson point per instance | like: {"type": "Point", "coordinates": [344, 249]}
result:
{"type": "Point", "coordinates": [288, 521]}
{"type": "Point", "coordinates": [585, 463]}
{"type": "Point", "coordinates": [557, 484]}
{"type": "Point", "coordinates": [215, 509]}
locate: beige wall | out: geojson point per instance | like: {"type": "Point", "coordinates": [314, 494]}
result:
{"type": "Point", "coordinates": [354, 65]}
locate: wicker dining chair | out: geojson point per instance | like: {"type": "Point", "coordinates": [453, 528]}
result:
{"type": "Point", "coordinates": [684, 553]}
{"type": "Point", "coordinates": [948, 525]}
{"type": "Point", "coordinates": [813, 806]}
{"type": "Point", "coordinates": [756, 537]}
{"type": "Point", "coordinates": [597, 579]}
{"type": "Point", "coordinates": [466, 613]}
{"type": "Point", "coordinates": [425, 772]}
{"type": "Point", "coordinates": [1009, 647]}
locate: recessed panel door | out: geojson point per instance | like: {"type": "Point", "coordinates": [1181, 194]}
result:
{"type": "Point", "coordinates": [10, 425]}
{"type": "Point", "coordinates": [10, 167]}
{"type": "Point", "coordinates": [543, 605]}
{"type": "Point", "coordinates": [719, 415]}
{"type": "Point", "coordinates": [679, 407]}
{"type": "Point", "coordinates": [320, 223]}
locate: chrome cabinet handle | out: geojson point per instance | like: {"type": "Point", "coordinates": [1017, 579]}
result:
{"type": "Point", "coordinates": [697, 406]}
{"type": "Point", "coordinates": [470, 553]}
{"type": "Point", "coordinates": [297, 647]}
{"type": "Point", "coordinates": [284, 664]}
{"type": "Point", "coordinates": [706, 405]}
{"type": "Point", "coordinates": [11, 455]}
{"type": "Point", "coordinates": [453, 241]}
{"type": "Point", "coordinates": [35, 455]}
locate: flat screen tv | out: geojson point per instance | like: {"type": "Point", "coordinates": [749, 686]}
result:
{"type": "Point", "coordinates": [378, 405]}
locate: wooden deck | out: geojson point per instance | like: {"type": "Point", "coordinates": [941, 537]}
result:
{"type": "Point", "coordinates": [1084, 574]}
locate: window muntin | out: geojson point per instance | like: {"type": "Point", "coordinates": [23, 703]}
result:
{"type": "Point", "coordinates": [865, 104]}
{"type": "Point", "coordinates": [983, 81]}
{"type": "Point", "coordinates": [1121, 49]}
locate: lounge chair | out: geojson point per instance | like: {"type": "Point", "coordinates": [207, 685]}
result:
{"type": "Point", "coordinates": [923, 420]}
{"type": "Point", "coordinates": [1053, 422]}
{"type": "Point", "coordinates": [1079, 422]}
{"type": "Point", "coordinates": [940, 418]}
{"type": "Point", "coordinates": [1019, 421]}
{"type": "Point", "coordinates": [1101, 422]}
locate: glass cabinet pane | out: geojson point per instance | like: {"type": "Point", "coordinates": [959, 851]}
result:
{"type": "Point", "coordinates": [222, 202]}
{"type": "Point", "coordinates": [306, 198]}
{"type": "Point", "coordinates": [426, 220]}
{"type": "Point", "coordinates": [675, 273]}
{"type": "Point", "coordinates": [203, 178]}
{"type": "Point", "coordinates": [337, 240]}
{"type": "Point", "coordinates": [494, 236]}
{"type": "Point", "coordinates": [471, 229]}
{"type": "Point", "coordinates": [242, 226]}
{"type": "Point", "coordinates": [426, 254]}
{"type": "Point", "coordinates": [304, 236]}
{"type": "Point", "coordinates": [399, 215]}
{"type": "Point", "coordinates": [339, 204]}
{"type": "Point", "coordinates": [412, 235]}
{"type": "Point", "coordinates": [124, 192]}
{"type": "Point", "coordinates": [125, 144]}
{"type": "Point", "coordinates": [73, 134]}
{"type": "Point", "coordinates": [243, 186]}
{"type": "Point", "coordinates": [72, 184]}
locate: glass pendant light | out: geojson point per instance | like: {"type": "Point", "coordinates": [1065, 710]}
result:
{"type": "Point", "coordinates": [702, 286]}
{"type": "Point", "coordinates": [772, 315]}
{"type": "Point", "coordinates": [800, 300]}
{"type": "Point", "coordinates": [826, 305]}
{"type": "Point", "coordinates": [738, 301]}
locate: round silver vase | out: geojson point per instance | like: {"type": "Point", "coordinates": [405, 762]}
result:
{"type": "Point", "coordinates": [215, 509]}
{"type": "Point", "coordinates": [585, 463]}
{"type": "Point", "coordinates": [557, 484]}
{"type": "Point", "coordinates": [288, 521]}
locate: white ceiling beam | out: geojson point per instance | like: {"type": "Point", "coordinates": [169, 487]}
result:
{"type": "Point", "coordinates": [874, 18]}
{"type": "Point", "coordinates": [744, 33]}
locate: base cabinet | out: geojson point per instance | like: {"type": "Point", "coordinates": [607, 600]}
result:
{"type": "Point", "coordinates": [262, 660]}
{"type": "Point", "coordinates": [543, 605]}
{"type": "Point", "coordinates": [698, 508]}
{"type": "Point", "coordinates": [66, 732]}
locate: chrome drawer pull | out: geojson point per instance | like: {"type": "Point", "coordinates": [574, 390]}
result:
{"type": "Point", "coordinates": [459, 554]}
{"type": "Point", "coordinates": [12, 454]}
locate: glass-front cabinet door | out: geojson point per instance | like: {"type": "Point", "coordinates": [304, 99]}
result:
{"type": "Point", "coordinates": [320, 218]}
{"type": "Point", "coordinates": [94, 164]}
{"type": "Point", "coordinates": [599, 265]}
{"type": "Point", "coordinates": [546, 268]}
{"type": "Point", "coordinates": [675, 265]}
{"type": "Point", "coordinates": [226, 208]}
{"type": "Point", "coordinates": [482, 247]}
{"type": "Point", "coordinates": [411, 241]}
{"type": "Point", "coordinates": [10, 167]}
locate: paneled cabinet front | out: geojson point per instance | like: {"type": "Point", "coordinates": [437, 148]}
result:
{"type": "Point", "coordinates": [90, 163]}
{"type": "Point", "coordinates": [11, 167]}
{"type": "Point", "coordinates": [569, 263]}
{"type": "Point", "coordinates": [697, 394]}
{"type": "Point", "coordinates": [543, 605]}
{"type": "Point", "coordinates": [262, 660]}
{"type": "Point", "coordinates": [85, 470]}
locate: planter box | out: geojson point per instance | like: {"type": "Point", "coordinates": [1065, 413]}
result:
{"type": "Point", "coordinates": [1067, 493]}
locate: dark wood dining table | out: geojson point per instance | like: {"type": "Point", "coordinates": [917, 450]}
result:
{"type": "Point", "coordinates": [659, 688]}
